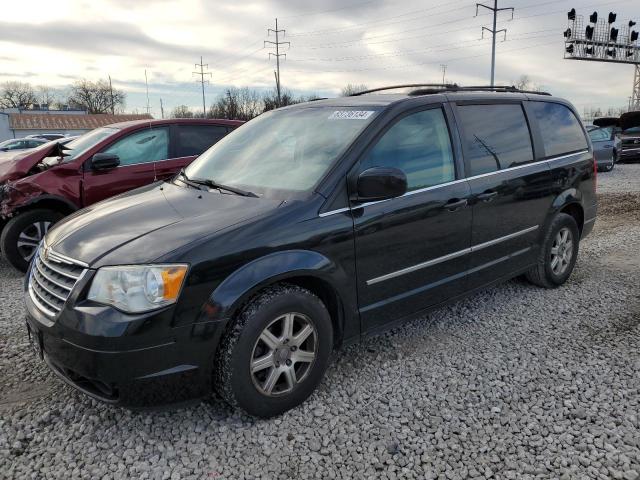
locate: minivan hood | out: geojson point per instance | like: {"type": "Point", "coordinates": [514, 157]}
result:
{"type": "Point", "coordinates": [16, 165]}
{"type": "Point", "coordinates": [175, 215]}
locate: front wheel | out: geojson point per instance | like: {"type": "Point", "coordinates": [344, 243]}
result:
{"type": "Point", "coordinates": [558, 253]}
{"type": "Point", "coordinates": [23, 233]}
{"type": "Point", "coordinates": [276, 353]}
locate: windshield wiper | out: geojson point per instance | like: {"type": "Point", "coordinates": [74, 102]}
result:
{"type": "Point", "coordinates": [205, 182]}
{"type": "Point", "coordinates": [188, 181]}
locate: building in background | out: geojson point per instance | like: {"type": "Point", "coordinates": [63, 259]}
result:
{"type": "Point", "coordinates": [17, 123]}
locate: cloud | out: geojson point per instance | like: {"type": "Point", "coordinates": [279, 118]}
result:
{"type": "Point", "coordinates": [103, 38]}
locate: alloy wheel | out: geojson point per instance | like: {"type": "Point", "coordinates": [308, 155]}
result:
{"type": "Point", "coordinates": [561, 251]}
{"type": "Point", "coordinates": [284, 353]}
{"type": "Point", "coordinates": [30, 238]}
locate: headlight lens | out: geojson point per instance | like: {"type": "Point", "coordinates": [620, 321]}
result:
{"type": "Point", "coordinates": [137, 289]}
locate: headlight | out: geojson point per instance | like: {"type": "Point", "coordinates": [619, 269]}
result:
{"type": "Point", "coordinates": [138, 289]}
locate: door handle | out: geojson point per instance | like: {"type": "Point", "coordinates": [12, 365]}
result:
{"type": "Point", "coordinates": [487, 196]}
{"type": "Point", "coordinates": [455, 204]}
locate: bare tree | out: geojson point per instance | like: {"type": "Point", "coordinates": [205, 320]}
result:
{"type": "Point", "coordinates": [17, 95]}
{"type": "Point", "coordinates": [181, 111]}
{"type": "Point", "coordinates": [350, 89]}
{"type": "Point", "coordinates": [96, 97]}
{"type": "Point", "coordinates": [237, 104]}
{"type": "Point", "coordinates": [270, 100]}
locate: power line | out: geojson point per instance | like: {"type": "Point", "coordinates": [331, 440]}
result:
{"type": "Point", "coordinates": [277, 55]}
{"type": "Point", "coordinates": [348, 7]}
{"type": "Point", "coordinates": [202, 74]}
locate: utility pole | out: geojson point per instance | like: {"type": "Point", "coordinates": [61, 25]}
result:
{"type": "Point", "coordinates": [161, 109]}
{"type": "Point", "coordinates": [635, 96]}
{"type": "Point", "coordinates": [277, 44]}
{"type": "Point", "coordinates": [444, 73]}
{"type": "Point", "coordinates": [146, 81]}
{"type": "Point", "coordinates": [202, 74]}
{"type": "Point", "coordinates": [494, 32]}
{"type": "Point", "coordinates": [113, 108]}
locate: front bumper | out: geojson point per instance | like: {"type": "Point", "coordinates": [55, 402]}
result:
{"type": "Point", "coordinates": [134, 361]}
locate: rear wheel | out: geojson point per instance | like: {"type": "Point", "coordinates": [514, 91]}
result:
{"type": "Point", "coordinates": [558, 253]}
{"type": "Point", "coordinates": [276, 353]}
{"type": "Point", "coordinates": [23, 233]}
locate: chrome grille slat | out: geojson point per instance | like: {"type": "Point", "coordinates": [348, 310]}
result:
{"type": "Point", "coordinates": [43, 285]}
{"type": "Point", "coordinates": [47, 277]}
{"type": "Point", "coordinates": [60, 272]}
{"type": "Point", "coordinates": [52, 280]}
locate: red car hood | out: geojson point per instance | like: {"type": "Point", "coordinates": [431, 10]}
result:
{"type": "Point", "coordinates": [14, 166]}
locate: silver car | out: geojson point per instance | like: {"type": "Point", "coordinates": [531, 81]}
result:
{"type": "Point", "coordinates": [606, 147]}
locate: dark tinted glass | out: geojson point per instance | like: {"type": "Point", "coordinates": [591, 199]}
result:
{"type": "Point", "coordinates": [600, 135]}
{"type": "Point", "coordinates": [195, 139]}
{"type": "Point", "coordinates": [495, 137]}
{"type": "Point", "coordinates": [560, 129]}
{"type": "Point", "coordinates": [420, 146]}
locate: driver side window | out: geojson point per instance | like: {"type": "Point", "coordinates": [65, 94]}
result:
{"type": "Point", "coordinates": [420, 146]}
{"type": "Point", "coordinates": [144, 146]}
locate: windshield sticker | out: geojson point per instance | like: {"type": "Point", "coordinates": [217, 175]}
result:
{"type": "Point", "coordinates": [351, 115]}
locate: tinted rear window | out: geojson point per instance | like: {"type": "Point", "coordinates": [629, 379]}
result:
{"type": "Point", "coordinates": [561, 130]}
{"type": "Point", "coordinates": [495, 137]}
{"type": "Point", "coordinates": [195, 139]}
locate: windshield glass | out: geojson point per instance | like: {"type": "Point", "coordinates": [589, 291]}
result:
{"type": "Point", "coordinates": [282, 151]}
{"type": "Point", "coordinates": [84, 142]}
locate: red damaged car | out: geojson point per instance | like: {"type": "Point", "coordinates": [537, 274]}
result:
{"type": "Point", "coordinates": [41, 186]}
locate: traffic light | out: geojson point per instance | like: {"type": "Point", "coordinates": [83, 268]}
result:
{"type": "Point", "coordinates": [614, 35]}
{"type": "Point", "coordinates": [589, 32]}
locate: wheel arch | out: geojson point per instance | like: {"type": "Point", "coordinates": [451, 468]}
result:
{"type": "Point", "coordinates": [569, 202]}
{"type": "Point", "coordinates": [307, 269]}
{"type": "Point", "coordinates": [47, 202]}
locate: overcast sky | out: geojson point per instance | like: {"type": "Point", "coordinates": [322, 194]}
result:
{"type": "Point", "coordinates": [333, 43]}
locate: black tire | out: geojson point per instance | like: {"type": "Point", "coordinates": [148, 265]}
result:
{"type": "Point", "coordinates": [233, 378]}
{"type": "Point", "coordinates": [31, 223]}
{"type": "Point", "coordinates": [543, 274]}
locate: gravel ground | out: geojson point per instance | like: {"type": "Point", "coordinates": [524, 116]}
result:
{"type": "Point", "coordinates": [514, 382]}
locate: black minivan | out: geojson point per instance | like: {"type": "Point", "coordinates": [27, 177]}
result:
{"type": "Point", "coordinates": [305, 229]}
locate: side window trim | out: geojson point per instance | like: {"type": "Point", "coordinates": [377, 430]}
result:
{"type": "Point", "coordinates": [459, 125]}
{"type": "Point", "coordinates": [391, 123]}
{"type": "Point", "coordinates": [104, 148]}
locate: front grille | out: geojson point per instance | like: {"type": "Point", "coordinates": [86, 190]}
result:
{"type": "Point", "coordinates": [52, 280]}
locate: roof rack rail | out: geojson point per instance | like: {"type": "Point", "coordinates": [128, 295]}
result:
{"type": "Point", "coordinates": [408, 85]}
{"type": "Point", "coordinates": [482, 88]}
{"type": "Point", "coordinates": [432, 88]}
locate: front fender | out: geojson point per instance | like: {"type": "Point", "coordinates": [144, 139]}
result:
{"type": "Point", "coordinates": [238, 287]}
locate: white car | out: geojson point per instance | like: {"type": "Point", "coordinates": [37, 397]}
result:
{"type": "Point", "coordinates": [14, 144]}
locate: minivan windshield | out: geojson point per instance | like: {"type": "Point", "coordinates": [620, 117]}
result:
{"type": "Point", "coordinates": [284, 151]}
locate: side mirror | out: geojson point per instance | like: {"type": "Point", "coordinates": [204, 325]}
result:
{"type": "Point", "coordinates": [381, 183]}
{"type": "Point", "coordinates": [104, 161]}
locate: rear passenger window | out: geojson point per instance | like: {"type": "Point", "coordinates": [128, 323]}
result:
{"type": "Point", "coordinates": [195, 139]}
{"type": "Point", "coordinates": [495, 137]}
{"type": "Point", "coordinates": [560, 129]}
{"type": "Point", "coordinates": [420, 146]}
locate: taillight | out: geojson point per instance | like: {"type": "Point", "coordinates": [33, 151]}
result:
{"type": "Point", "coordinates": [595, 173]}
